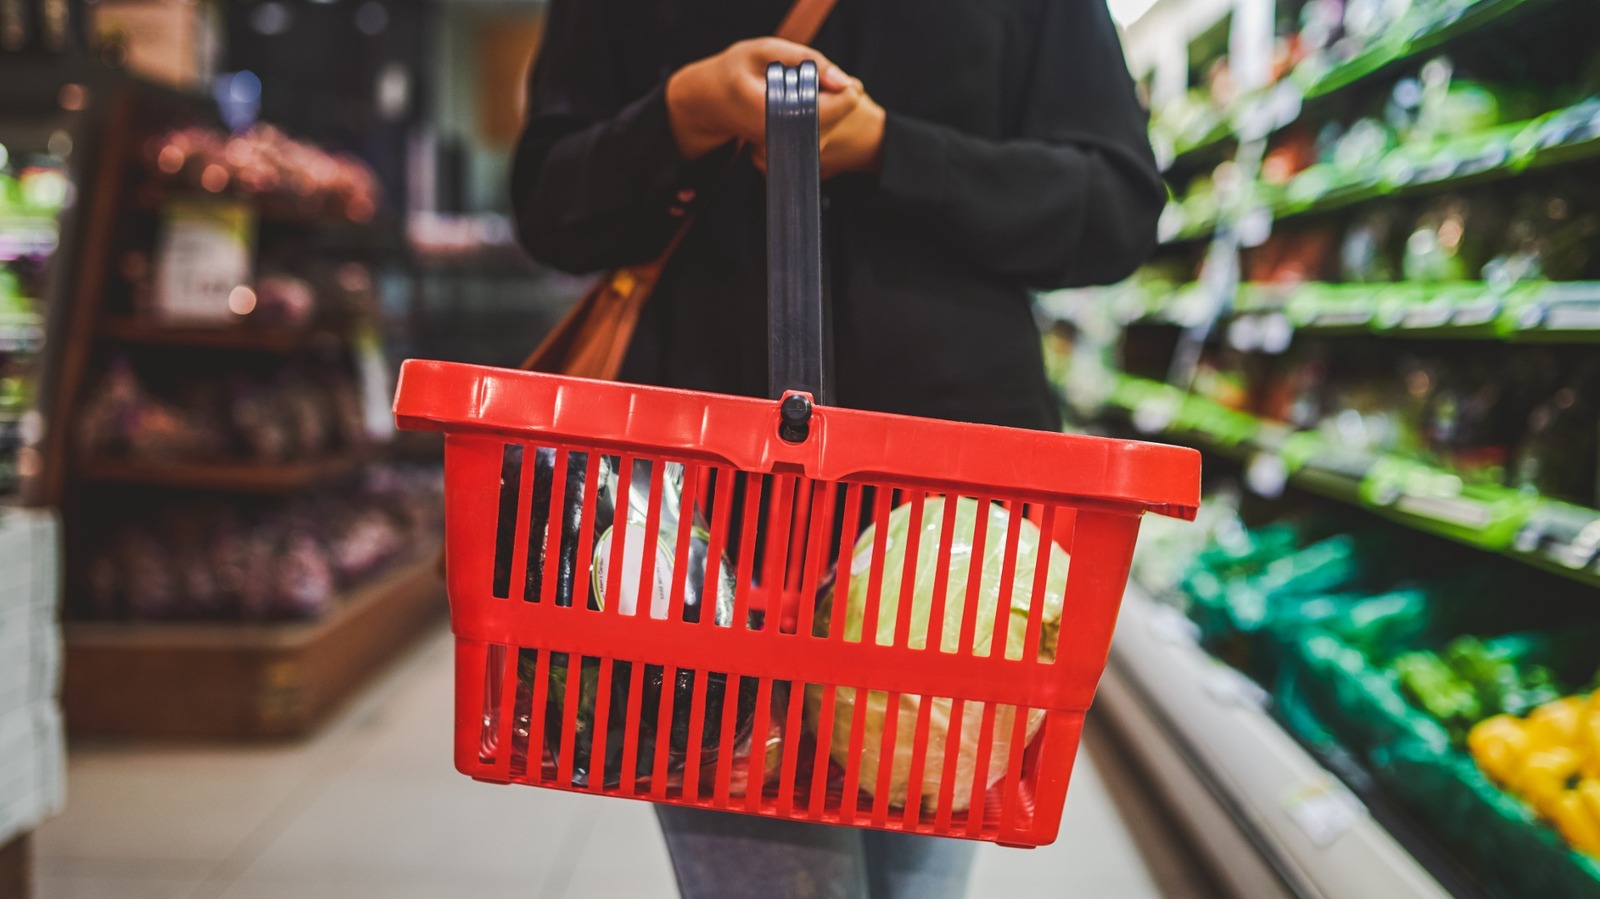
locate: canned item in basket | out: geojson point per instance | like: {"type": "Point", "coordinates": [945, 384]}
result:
{"type": "Point", "coordinates": [697, 596]}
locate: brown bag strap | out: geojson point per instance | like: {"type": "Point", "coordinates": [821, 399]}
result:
{"type": "Point", "coordinates": [804, 20]}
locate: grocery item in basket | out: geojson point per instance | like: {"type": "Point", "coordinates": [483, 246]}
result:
{"type": "Point", "coordinates": [956, 607]}
{"type": "Point", "coordinates": [591, 584]}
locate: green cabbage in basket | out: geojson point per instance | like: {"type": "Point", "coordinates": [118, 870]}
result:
{"type": "Point", "coordinates": [957, 606]}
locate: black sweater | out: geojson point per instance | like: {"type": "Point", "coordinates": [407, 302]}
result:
{"type": "Point", "coordinates": [1014, 157]}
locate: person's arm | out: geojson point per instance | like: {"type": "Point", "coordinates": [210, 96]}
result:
{"type": "Point", "coordinates": [1074, 198]}
{"type": "Point", "coordinates": [601, 180]}
{"type": "Point", "coordinates": [596, 174]}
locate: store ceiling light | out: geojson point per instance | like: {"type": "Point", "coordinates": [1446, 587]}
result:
{"type": "Point", "coordinates": [271, 19]}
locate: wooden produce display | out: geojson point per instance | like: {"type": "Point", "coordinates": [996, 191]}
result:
{"type": "Point", "coordinates": [242, 552]}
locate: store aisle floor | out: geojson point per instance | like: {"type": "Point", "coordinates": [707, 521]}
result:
{"type": "Point", "coordinates": [372, 808]}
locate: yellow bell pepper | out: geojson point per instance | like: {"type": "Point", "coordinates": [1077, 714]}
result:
{"type": "Point", "coordinates": [1589, 744]}
{"type": "Point", "coordinates": [1577, 822]}
{"type": "Point", "coordinates": [1545, 776]}
{"type": "Point", "coordinates": [1557, 723]}
{"type": "Point", "coordinates": [1499, 745]}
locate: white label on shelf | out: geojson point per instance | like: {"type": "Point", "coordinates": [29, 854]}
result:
{"type": "Point", "coordinates": [1452, 511]}
{"type": "Point", "coordinates": [1573, 318]}
{"type": "Point", "coordinates": [377, 384]}
{"type": "Point", "coordinates": [1267, 475]}
{"type": "Point", "coordinates": [1478, 312]}
{"type": "Point", "coordinates": [1277, 332]}
{"type": "Point", "coordinates": [1229, 687]}
{"type": "Point", "coordinates": [1342, 318]}
{"type": "Point", "coordinates": [1155, 413]}
{"type": "Point", "coordinates": [1255, 226]}
{"type": "Point", "coordinates": [1427, 317]}
{"type": "Point", "coordinates": [1324, 811]}
{"type": "Point", "coordinates": [1172, 627]}
{"type": "Point", "coordinates": [204, 256]}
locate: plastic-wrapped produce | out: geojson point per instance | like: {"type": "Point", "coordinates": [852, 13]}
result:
{"type": "Point", "coordinates": [957, 606]}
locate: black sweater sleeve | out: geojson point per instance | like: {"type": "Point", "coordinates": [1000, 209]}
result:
{"type": "Point", "coordinates": [597, 171]}
{"type": "Point", "coordinates": [1072, 199]}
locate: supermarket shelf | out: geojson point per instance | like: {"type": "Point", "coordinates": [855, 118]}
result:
{"type": "Point", "coordinates": [1207, 149]}
{"type": "Point", "coordinates": [271, 339]}
{"type": "Point", "coordinates": [241, 681]}
{"type": "Point", "coordinates": [1552, 535]}
{"type": "Point", "coordinates": [1385, 56]}
{"type": "Point", "coordinates": [237, 477]}
{"type": "Point", "coordinates": [1270, 820]}
{"type": "Point", "coordinates": [1534, 312]}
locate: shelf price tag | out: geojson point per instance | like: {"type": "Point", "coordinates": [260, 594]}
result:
{"type": "Point", "coordinates": [1267, 475]}
{"type": "Point", "coordinates": [204, 256]}
{"type": "Point", "coordinates": [1324, 811]}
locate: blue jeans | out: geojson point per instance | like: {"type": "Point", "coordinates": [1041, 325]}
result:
{"type": "Point", "coordinates": [721, 855]}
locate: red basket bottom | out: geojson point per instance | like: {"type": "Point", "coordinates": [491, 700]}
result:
{"type": "Point", "coordinates": [496, 727]}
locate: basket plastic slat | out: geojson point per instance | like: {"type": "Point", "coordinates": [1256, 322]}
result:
{"type": "Point", "coordinates": [602, 724]}
{"type": "Point", "coordinates": [980, 774]}
{"type": "Point", "coordinates": [612, 603]}
{"type": "Point", "coordinates": [947, 756]}
{"type": "Point", "coordinates": [758, 746]}
{"type": "Point", "coordinates": [821, 522]}
{"type": "Point", "coordinates": [1039, 595]}
{"type": "Point", "coordinates": [569, 719]}
{"type": "Point", "coordinates": [553, 528]}
{"type": "Point", "coordinates": [886, 746]}
{"type": "Point", "coordinates": [697, 721]}
{"type": "Point", "coordinates": [658, 776]}
{"type": "Point", "coordinates": [748, 523]}
{"type": "Point", "coordinates": [1013, 778]}
{"type": "Point", "coordinates": [1000, 628]}
{"type": "Point", "coordinates": [969, 614]}
{"type": "Point", "coordinates": [850, 806]}
{"type": "Point", "coordinates": [847, 548]}
{"type": "Point", "coordinates": [725, 758]}
{"type": "Point", "coordinates": [520, 544]}
{"type": "Point", "coordinates": [908, 572]}
{"type": "Point", "coordinates": [780, 508]}
{"type": "Point", "coordinates": [630, 729]}
{"type": "Point", "coordinates": [941, 575]}
{"type": "Point", "coordinates": [919, 762]}
{"type": "Point", "coordinates": [645, 604]}
{"type": "Point", "coordinates": [798, 529]}
{"type": "Point", "coordinates": [680, 555]}
{"type": "Point", "coordinates": [717, 541]}
{"type": "Point", "coordinates": [880, 547]}
{"type": "Point", "coordinates": [586, 535]}
{"type": "Point", "coordinates": [506, 723]}
{"type": "Point", "coordinates": [817, 806]}
{"type": "Point", "coordinates": [533, 758]}
{"type": "Point", "coordinates": [791, 750]}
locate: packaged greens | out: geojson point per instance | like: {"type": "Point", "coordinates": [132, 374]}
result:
{"type": "Point", "coordinates": [571, 583]}
{"type": "Point", "coordinates": [956, 607]}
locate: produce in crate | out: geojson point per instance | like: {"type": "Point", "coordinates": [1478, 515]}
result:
{"type": "Point", "coordinates": [591, 584]}
{"type": "Point", "coordinates": [1551, 760]}
{"type": "Point", "coordinates": [957, 604]}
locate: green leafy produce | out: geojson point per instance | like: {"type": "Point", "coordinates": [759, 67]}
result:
{"type": "Point", "coordinates": [957, 606]}
{"type": "Point", "coordinates": [1471, 680]}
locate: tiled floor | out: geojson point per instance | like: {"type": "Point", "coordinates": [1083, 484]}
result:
{"type": "Point", "coordinates": [372, 808]}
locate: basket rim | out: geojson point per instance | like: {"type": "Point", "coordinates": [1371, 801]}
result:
{"type": "Point", "coordinates": [845, 444]}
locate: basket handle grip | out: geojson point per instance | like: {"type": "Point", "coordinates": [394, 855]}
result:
{"type": "Point", "coordinates": [797, 332]}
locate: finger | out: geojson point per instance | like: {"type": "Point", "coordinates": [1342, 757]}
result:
{"type": "Point", "coordinates": [766, 51]}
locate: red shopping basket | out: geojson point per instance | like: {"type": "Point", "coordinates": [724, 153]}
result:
{"type": "Point", "coordinates": [567, 677]}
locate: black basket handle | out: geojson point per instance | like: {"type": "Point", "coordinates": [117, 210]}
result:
{"type": "Point", "coordinates": [796, 327]}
